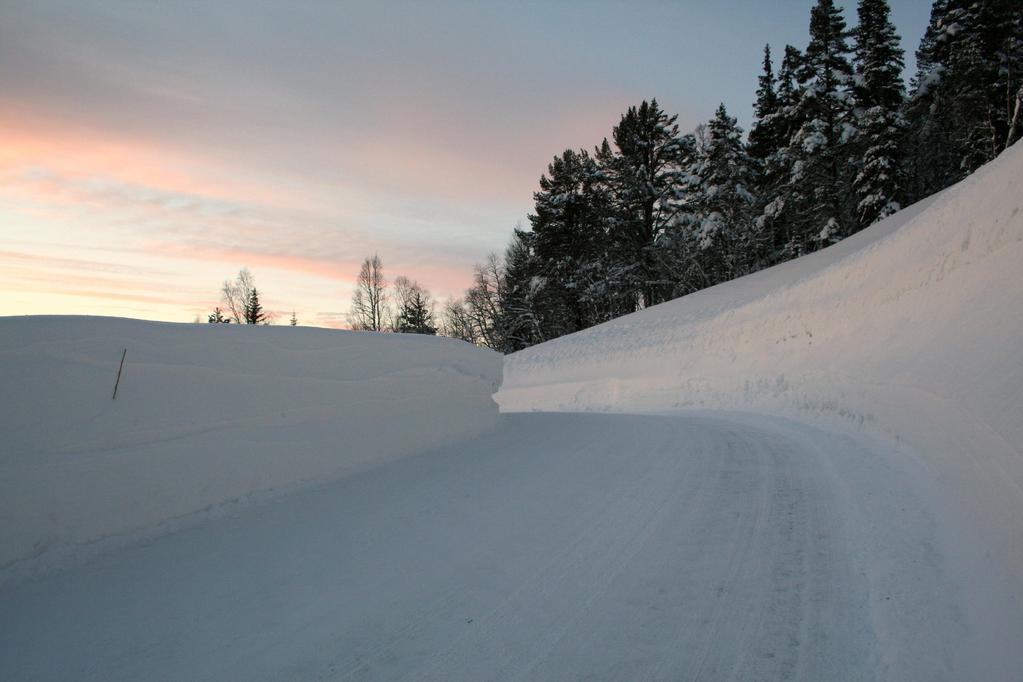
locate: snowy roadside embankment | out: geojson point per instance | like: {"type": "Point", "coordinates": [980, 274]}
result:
{"type": "Point", "coordinates": [912, 329]}
{"type": "Point", "coordinates": [206, 416]}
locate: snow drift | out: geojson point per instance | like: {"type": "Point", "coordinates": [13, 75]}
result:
{"type": "Point", "coordinates": [206, 416]}
{"type": "Point", "coordinates": [911, 329]}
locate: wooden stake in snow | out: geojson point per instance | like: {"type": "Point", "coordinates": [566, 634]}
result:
{"type": "Point", "coordinates": [119, 373]}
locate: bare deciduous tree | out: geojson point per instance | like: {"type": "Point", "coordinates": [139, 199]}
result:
{"type": "Point", "coordinates": [457, 323]}
{"type": "Point", "coordinates": [401, 295]}
{"type": "Point", "coordinates": [369, 302]}
{"type": "Point", "coordinates": [483, 303]}
{"type": "Point", "coordinates": [236, 294]}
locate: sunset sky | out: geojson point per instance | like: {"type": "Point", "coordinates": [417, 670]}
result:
{"type": "Point", "coordinates": [148, 150]}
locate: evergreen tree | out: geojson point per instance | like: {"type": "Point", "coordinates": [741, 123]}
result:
{"type": "Point", "coordinates": [930, 162]}
{"type": "Point", "coordinates": [985, 72]}
{"type": "Point", "coordinates": [570, 231]}
{"type": "Point", "coordinates": [614, 278]}
{"type": "Point", "coordinates": [879, 95]}
{"type": "Point", "coordinates": [217, 317]}
{"type": "Point", "coordinates": [414, 308]}
{"type": "Point", "coordinates": [718, 213]}
{"type": "Point", "coordinates": [767, 138]}
{"type": "Point", "coordinates": [818, 190]}
{"type": "Point", "coordinates": [521, 301]}
{"type": "Point", "coordinates": [788, 74]}
{"type": "Point", "coordinates": [417, 316]}
{"type": "Point", "coordinates": [645, 175]}
{"type": "Point", "coordinates": [963, 95]}
{"type": "Point", "coordinates": [775, 221]}
{"type": "Point", "coordinates": [790, 116]}
{"type": "Point", "coordinates": [656, 214]}
{"type": "Point", "coordinates": [254, 313]}
{"type": "Point", "coordinates": [763, 140]}
{"type": "Point", "coordinates": [294, 320]}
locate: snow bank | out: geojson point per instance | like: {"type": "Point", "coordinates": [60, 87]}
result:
{"type": "Point", "coordinates": [912, 329]}
{"type": "Point", "coordinates": [206, 416]}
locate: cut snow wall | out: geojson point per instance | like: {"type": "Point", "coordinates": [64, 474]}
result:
{"type": "Point", "coordinates": [206, 417]}
{"type": "Point", "coordinates": [912, 328]}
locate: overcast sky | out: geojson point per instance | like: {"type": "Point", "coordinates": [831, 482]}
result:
{"type": "Point", "coordinates": [150, 149]}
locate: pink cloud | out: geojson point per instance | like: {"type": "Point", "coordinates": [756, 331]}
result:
{"type": "Point", "coordinates": [157, 201]}
{"type": "Point", "coordinates": [56, 158]}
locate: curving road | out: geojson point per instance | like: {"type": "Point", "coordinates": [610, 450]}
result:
{"type": "Point", "coordinates": [559, 547]}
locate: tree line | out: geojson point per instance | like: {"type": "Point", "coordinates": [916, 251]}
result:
{"type": "Point", "coordinates": [837, 143]}
{"type": "Point", "coordinates": [404, 307]}
{"type": "Point", "coordinates": [241, 303]}
{"type": "Point", "coordinates": [377, 305]}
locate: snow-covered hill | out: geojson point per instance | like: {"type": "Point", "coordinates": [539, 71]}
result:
{"type": "Point", "coordinates": [911, 330]}
{"type": "Point", "coordinates": [206, 417]}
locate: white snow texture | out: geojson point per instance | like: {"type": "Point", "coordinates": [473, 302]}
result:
{"type": "Point", "coordinates": [206, 417]}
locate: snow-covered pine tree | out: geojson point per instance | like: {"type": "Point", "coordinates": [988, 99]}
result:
{"type": "Point", "coordinates": [569, 225]}
{"type": "Point", "coordinates": [605, 277]}
{"type": "Point", "coordinates": [763, 140]}
{"type": "Point", "coordinates": [879, 95]}
{"type": "Point", "coordinates": [819, 200]}
{"type": "Point", "coordinates": [963, 95]}
{"type": "Point", "coordinates": [718, 213]}
{"type": "Point", "coordinates": [614, 278]}
{"type": "Point", "coordinates": [973, 66]}
{"type": "Point", "coordinates": [521, 312]}
{"type": "Point", "coordinates": [930, 160]}
{"type": "Point", "coordinates": [645, 174]}
{"type": "Point", "coordinates": [775, 222]}
{"type": "Point", "coordinates": [789, 91]}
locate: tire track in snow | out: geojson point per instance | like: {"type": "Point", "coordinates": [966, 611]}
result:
{"type": "Point", "coordinates": [585, 569]}
{"type": "Point", "coordinates": [557, 547]}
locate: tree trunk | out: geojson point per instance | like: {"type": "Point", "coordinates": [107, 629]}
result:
{"type": "Point", "coordinates": [1016, 126]}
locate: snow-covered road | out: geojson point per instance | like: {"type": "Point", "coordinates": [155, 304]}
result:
{"type": "Point", "coordinates": [557, 547]}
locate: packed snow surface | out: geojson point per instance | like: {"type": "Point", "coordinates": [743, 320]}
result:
{"type": "Point", "coordinates": [554, 547]}
{"type": "Point", "coordinates": [207, 417]}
